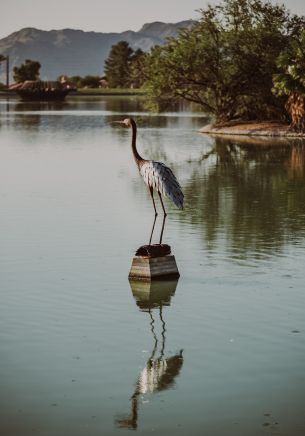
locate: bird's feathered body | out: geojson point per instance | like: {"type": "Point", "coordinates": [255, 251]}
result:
{"type": "Point", "coordinates": [156, 175]}
{"type": "Point", "coordinates": [159, 177]}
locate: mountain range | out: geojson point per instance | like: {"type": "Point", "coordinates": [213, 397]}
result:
{"type": "Point", "coordinates": [75, 52]}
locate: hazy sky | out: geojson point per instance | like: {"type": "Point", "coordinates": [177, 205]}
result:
{"type": "Point", "coordinates": [101, 15]}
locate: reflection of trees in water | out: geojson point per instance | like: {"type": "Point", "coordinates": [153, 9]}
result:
{"type": "Point", "coordinates": [24, 106]}
{"type": "Point", "coordinates": [28, 122]}
{"type": "Point", "coordinates": [296, 164]}
{"type": "Point", "coordinates": [123, 104]}
{"type": "Point", "coordinates": [160, 372]}
{"type": "Point", "coordinates": [253, 193]}
{"type": "Point", "coordinates": [34, 120]}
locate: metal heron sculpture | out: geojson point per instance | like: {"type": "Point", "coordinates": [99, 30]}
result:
{"type": "Point", "coordinates": [156, 176]}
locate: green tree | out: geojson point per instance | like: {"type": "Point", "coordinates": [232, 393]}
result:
{"type": "Point", "coordinates": [290, 81]}
{"type": "Point", "coordinates": [117, 65]}
{"type": "Point", "coordinates": [29, 70]}
{"type": "Point", "coordinates": [137, 71]}
{"type": "Point", "coordinates": [76, 80]}
{"type": "Point", "coordinates": [226, 61]}
{"type": "Point", "coordinates": [90, 81]}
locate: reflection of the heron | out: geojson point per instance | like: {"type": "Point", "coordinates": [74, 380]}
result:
{"type": "Point", "coordinates": [160, 371]}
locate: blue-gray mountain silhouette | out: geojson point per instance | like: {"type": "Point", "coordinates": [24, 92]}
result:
{"type": "Point", "coordinates": [75, 52]}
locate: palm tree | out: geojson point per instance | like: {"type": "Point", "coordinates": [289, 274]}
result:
{"type": "Point", "coordinates": [290, 81]}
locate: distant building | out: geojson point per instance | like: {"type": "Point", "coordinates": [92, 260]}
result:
{"type": "Point", "coordinates": [103, 83]}
{"type": "Point", "coordinates": [67, 84]}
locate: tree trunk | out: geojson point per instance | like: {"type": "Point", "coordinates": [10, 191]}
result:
{"type": "Point", "coordinates": [296, 109]}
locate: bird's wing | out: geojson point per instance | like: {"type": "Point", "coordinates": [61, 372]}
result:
{"type": "Point", "coordinates": [161, 178]}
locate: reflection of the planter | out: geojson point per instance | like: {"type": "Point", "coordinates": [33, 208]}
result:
{"type": "Point", "coordinates": [160, 372]}
{"type": "Point", "coordinates": [155, 294]}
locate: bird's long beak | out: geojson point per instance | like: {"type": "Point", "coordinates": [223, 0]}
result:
{"type": "Point", "coordinates": [116, 122]}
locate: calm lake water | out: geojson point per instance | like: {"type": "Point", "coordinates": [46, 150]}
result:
{"type": "Point", "coordinates": [85, 352]}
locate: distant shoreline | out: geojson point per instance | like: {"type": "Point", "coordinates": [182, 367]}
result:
{"type": "Point", "coordinates": [107, 91]}
{"type": "Point", "coordinates": [94, 92]}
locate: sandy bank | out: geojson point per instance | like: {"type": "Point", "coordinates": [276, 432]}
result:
{"type": "Point", "coordinates": [271, 129]}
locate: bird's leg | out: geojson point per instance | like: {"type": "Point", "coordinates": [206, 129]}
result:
{"type": "Point", "coordinates": [152, 230]}
{"type": "Point", "coordinates": [163, 225]}
{"type": "Point", "coordinates": [156, 213]}
{"type": "Point", "coordinates": [152, 197]}
{"type": "Point", "coordinates": [164, 211]}
{"type": "Point", "coordinates": [164, 216]}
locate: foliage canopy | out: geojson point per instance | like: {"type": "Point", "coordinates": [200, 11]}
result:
{"type": "Point", "coordinates": [290, 80]}
{"type": "Point", "coordinates": [226, 61]}
{"type": "Point", "coordinates": [124, 67]}
{"type": "Point", "coordinates": [117, 65]}
{"type": "Point", "coordinates": [29, 70]}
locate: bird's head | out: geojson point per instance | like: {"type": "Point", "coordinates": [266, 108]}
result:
{"type": "Point", "coordinates": [124, 123]}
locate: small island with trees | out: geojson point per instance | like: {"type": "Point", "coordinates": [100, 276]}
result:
{"type": "Point", "coordinates": [242, 62]}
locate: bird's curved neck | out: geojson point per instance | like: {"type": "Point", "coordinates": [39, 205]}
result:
{"type": "Point", "coordinates": [136, 155]}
